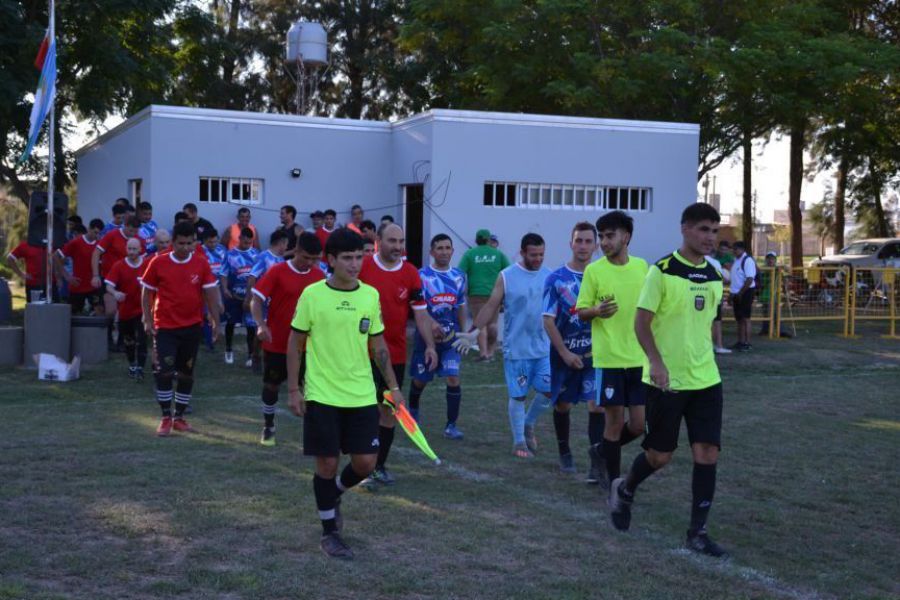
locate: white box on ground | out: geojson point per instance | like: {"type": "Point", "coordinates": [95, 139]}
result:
{"type": "Point", "coordinates": [53, 368]}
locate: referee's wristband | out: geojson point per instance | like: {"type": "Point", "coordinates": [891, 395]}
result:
{"type": "Point", "coordinates": [395, 389]}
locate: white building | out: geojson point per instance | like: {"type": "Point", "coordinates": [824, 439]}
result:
{"type": "Point", "coordinates": [441, 171]}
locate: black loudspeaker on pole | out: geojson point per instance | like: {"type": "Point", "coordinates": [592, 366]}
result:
{"type": "Point", "coordinates": [37, 219]}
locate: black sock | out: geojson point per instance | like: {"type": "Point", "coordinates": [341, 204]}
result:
{"type": "Point", "coordinates": [640, 470]}
{"type": "Point", "coordinates": [626, 435]}
{"type": "Point", "coordinates": [561, 425]}
{"type": "Point", "coordinates": [251, 340]}
{"type": "Point", "coordinates": [596, 423]}
{"type": "Point", "coordinates": [703, 487]}
{"type": "Point", "coordinates": [415, 393]}
{"type": "Point", "coordinates": [454, 399]}
{"type": "Point", "coordinates": [612, 453]}
{"type": "Point", "coordinates": [229, 336]}
{"type": "Point", "coordinates": [326, 494]}
{"type": "Point", "coordinates": [269, 398]}
{"type": "Point", "coordinates": [385, 439]}
{"type": "Point", "coordinates": [348, 479]}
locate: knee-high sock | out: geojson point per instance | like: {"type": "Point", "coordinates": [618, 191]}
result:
{"type": "Point", "coordinates": [385, 439]}
{"type": "Point", "coordinates": [251, 341]}
{"type": "Point", "coordinates": [612, 454]}
{"type": "Point", "coordinates": [325, 491]}
{"type": "Point", "coordinates": [641, 469]}
{"type": "Point", "coordinates": [415, 394]}
{"type": "Point", "coordinates": [596, 423]}
{"type": "Point", "coordinates": [454, 399]}
{"type": "Point", "coordinates": [561, 425]}
{"type": "Point", "coordinates": [703, 487]}
{"type": "Point", "coordinates": [229, 336]}
{"type": "Point", "coordinates": [516, 408]}
{"type": "Point", "coordinates": [539, 406]}
{"type": "Point", "coordinates": [269, 399]}
{"type": "Point", "coordinates": [348, 479]}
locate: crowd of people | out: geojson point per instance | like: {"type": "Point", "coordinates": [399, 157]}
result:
{"type": "Point", "coordinates": [326, 311]}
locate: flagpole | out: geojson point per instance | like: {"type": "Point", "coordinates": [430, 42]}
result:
{"type": "Point", "coordinates": [51, 204]}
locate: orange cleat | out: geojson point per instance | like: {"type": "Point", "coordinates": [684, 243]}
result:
{"type": "Point", "coordinates": [182, 425]}
{"type": "Point", "coordinates": [165, 427]}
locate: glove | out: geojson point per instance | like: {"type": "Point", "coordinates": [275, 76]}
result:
{"type": "Point", "coordinates": [464, 342]}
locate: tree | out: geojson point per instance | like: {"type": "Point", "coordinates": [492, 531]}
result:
{"type": "Point", "coordinates": [821, 216]}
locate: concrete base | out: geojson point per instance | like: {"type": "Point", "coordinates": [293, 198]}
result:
{"type": "Point", "coordinates": [89, 339]}
{"type": "Point", "coordinates": [47, 329]}
{"type": "Point", "coordinates": [12, 340]}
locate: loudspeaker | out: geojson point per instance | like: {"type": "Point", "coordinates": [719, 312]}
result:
{"type": "Point", "coordinates": [37, 219]}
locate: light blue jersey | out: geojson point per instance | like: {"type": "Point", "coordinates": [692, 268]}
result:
{"type": "Point", "coordinates": [236, 268]}
{"type": "Point", "coordinates": [523, 325]}
{"type": "Point", "coordinates": [265, 261]}
{"type": "Point", "coordinates": [560, 296]}
{"type": "Point", "coordinates": [147, 232]}
{"type": "Point", "coordinates": [215, 257]}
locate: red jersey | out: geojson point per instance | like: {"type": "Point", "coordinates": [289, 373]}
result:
{"type": "Point", "coordinates": [323, 235]}
{"type": "Point", "coordinates": [281, 286]}
{"type": "Point", "coordinates": [125, 278]}
{"type": "Point", "coordinates": [35, 258]}
{"type": "Point", "coordinates": [398, 289]}
{"type": "Point", "coordinates": [80, 250]}
{"type": "Point", "coordinates": [179, 289]}
{"type": "Point", "coordinates": [112, 245]}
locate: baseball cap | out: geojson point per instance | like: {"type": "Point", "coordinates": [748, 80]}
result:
{"type": "Point", "coordinates": [483, 234]}
{"type": "Point", "coordinates": [773, 254]}
{"type": "Point", "coordinates": [494, 237]}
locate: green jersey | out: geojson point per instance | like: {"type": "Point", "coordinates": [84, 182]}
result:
{"type": "Point", "coordinates": [683, 298]}
{"type": "Point", "coordinates": [482, 264]}
{"type": "Point", "coordinates": [614, 344]}
{"type": "Point", "coordinates": [339, 324]}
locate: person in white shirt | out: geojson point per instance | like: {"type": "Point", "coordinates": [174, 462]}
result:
{"type": "Point", "coordinates": [743, 287]}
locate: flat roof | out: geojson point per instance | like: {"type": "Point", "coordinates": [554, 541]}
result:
{"type": "Point", "coordinates": [433, 115]}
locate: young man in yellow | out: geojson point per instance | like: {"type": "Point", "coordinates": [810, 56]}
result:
{"type": "Point", "coordinates": [675, 312]}
{"type": "Point", "coordinates": [608, 299]}
{"type": "Point", "coordinates": [336, 326]}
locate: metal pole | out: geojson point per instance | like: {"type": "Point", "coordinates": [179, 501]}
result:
{"type": "Point", "coordinates": [50, 200]}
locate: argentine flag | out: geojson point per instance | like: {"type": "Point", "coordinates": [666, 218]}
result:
{"type": "Point", "coordinates": [43, 97]}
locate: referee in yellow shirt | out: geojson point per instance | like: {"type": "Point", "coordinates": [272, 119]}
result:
{"type": "Point", "coordinates": [675, 312]}
{"type": "Point", "coordinates": [336, 326]}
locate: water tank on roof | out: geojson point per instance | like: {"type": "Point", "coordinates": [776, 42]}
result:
{"type": "Point", "coordinates": [307, 43]}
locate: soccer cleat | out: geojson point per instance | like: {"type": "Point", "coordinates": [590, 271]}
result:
{"type": "Point", "coordinates": [452, 433]}
{"type": "Point", "coordinates": [721, 350]}
{"type": "Point", "coordinates": [249, 363]}
{"type": "Point", "coordinates": [700, 543]}
{"type": "Point", "coordinates": [138, 374]}
{"type": "Point", "coordinates": [268, 437]}
{"type": "Point", "coordinates": [530, 439]}
{"type": "Point", "coordinates": [181, 425]}
{"type": "Point", "coordinates": [334, 546]}
{"type": "Point", "coordinates": [165, 427]}
{"type": "Point", "coordinates": [229, 357]}
{"type": "Point", "coordinates": [619, 505]}
{"type": "Point", "coordinates": [132, 371]}
{"type": "Point", "coordinates": [567, 463]}
{"type": "Point", "coordinates": [381, 475]}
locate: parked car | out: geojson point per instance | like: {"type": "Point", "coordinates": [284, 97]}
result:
{"type": "Point", "coordinates": [876, 252]}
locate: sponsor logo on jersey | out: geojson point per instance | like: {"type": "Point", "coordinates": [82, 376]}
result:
{"type": "Point", "coordinates": [446, 298]}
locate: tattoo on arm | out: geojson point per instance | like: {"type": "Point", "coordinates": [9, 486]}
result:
{"type": "Point", "coordinates": [383, 361]}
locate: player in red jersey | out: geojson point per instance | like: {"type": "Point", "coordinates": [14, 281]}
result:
{"type": "Point", "coordinates": [123, 283]}
{"type": "Point", "coordinates": [281, 287]}
{"type": "Point", "coordinates": [35, 275]}
{"type": "Point", "coordinates": [80, 250]}
{"type": "Point", "coordinates": [111, 249]}
{"type": "Point", "coordinates": [175, 288]}
{"type": "Point", "coordinates": [399, 289]}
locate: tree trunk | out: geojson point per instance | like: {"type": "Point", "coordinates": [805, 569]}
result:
{"type": "Point", "coordinates": [879, 213]}
{"type": "Point", "coordinates": [747, 215]}
{"type": "Point", "coordinates": [229, 60]}
{"type": "Point", "coordinates": [60, 176]}
{"type": "Point", "coordinates": [840, 195]}
{"type": "Point", "coordinates": [798, 132]}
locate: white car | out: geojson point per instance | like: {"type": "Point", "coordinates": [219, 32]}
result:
{"type": "Point", "coordinates": [871, 253]}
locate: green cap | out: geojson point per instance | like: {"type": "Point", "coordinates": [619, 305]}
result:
{"type": "Point", "coordinates": [483, 234]}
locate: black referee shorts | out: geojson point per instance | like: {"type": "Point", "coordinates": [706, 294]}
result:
{"type": "Point", "coordinates": [380, 385]}
{"type": "Point", "coordinates": [701, 410]}
{"type": "Point", "coordinates": [332, 430]}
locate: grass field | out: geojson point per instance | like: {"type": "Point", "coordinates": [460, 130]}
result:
{"type": "Point", "coordinates": [95, 506]}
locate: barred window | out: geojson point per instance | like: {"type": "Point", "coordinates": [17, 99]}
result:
{"type": "Point", "coordinates": [237, 190]}
{"type": "Point", "coordinates": [559, 196]}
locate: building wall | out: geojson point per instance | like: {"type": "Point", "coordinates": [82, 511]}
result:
{"type": "Point", "coordinates": [472, 152]}
{"type": "Point", "coordinates": [103, 173]}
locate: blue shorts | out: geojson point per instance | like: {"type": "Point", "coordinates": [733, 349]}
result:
{"type": "Point", "coordinates": [234, 313]}
{"type": "Point", "coordinates": [621, 387]}
{"type": "Point", "coordinates": [571, 385]}
{"type": "Point", "coordinates": [448, 363]}
{"type": "Point", "coordinates": [526, 373]}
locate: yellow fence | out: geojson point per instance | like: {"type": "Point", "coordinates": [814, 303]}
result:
{"type": "Point", "coordinates": [876, 295]}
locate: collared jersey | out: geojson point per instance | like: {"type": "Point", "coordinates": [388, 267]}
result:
{"type": "Point", "coordinates": [482, 264]}
{"type": "Point", "coordinates": [179, 286]}
{"type": "Point", "coordinates": [339, 324]}
{"type": "Point", "coordinates": [113, 245]}
{"type": "Point", "coordinates": [683, 298]}
{"type": "Point", "coordinates": [281, 287]}
{"type": "Point", "coordinates": [236, 269]}
{"type": "Point", "coordinates": [125, 277]}
{"type": "Point", "coordinates": [215, 257]}
{"type": "Point", "coordinates": [560, 295]}
{"type": "Point", "coordinates": [80, 251]}
{"type": "Point", "coordinates": [615, 344]}
{"type": "Point", "coordinates": [264, 261]}
{"type": "Point", "coordinates": [524, 336]}
{"type": "Point", "coordinates": [444, 292]}
{"type": "Point", "coordinates": [399, 289]}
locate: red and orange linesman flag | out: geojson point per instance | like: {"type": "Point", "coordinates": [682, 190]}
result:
{"type": "Point", "coordinates": [411, 428]}
{"type": "Point", "coordinates": [46, 91]}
